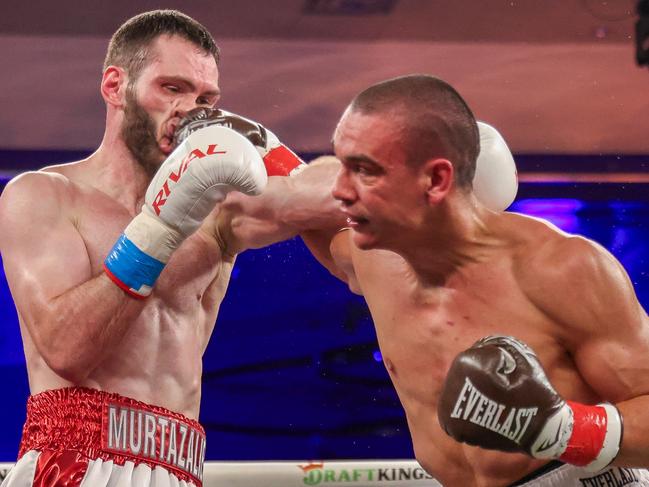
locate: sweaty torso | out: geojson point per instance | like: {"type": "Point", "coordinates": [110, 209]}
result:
{"type": "Point", "coordinates": [421, 330]}
{"type": "Point", "coordinates": [159, 360]}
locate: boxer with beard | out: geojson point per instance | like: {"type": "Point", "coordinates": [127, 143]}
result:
{"type": "Point", "coordinates": [118, 263]}
{"type": "Point", "coordinates": [138, 132]}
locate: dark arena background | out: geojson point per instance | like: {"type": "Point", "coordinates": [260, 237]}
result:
{"type": "Point", "coordinates": [293, 370]}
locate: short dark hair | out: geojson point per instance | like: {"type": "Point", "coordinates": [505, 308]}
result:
{"type": "Point", "coordinates": [434, 118]}
{"type": "Point", "coordinates": [129, 45]}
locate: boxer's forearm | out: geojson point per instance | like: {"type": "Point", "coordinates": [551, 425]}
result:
{"type": "Point", "coordinates": [75, 330]}
{"type": "Point", "coordinates": [289, 206]}
{"type": "Point", "coordinates": [310, 205]}
{"type": "Point", "coordinates": [634, 451]}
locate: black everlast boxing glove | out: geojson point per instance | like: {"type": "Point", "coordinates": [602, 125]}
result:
{"type": "Point", "coordinates": [279, 159]}
{"type": "Point", "coordinates": [497, 396]}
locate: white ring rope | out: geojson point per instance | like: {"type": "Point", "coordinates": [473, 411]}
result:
{"type": "Point", "coordinates": [334, 473]}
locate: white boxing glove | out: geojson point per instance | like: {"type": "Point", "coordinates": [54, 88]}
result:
{"type": "Point", "coordinates": [197, 175]}
{"type": "Point", "coordinates": [279, 159]}
{"type": "Point", "coordinates": [495, 182]}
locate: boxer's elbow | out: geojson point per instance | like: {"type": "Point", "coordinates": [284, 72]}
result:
{"type": "Point", "coordinates": [62, 353]}
{"type": "Point", "coordinates": [70, 370]}
{"type": "Point", "coordinates": [68, 365]}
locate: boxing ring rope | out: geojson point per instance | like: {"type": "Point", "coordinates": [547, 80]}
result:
{"type": "Point", "coordinates": [334, 473]}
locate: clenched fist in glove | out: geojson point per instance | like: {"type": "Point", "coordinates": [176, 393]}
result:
{"type": "Point", "coordinates": [279, 159]}
{"type": "Point", "coordinates": [198, 174]}
{"type": "Point", "coordinates": [497, 396]}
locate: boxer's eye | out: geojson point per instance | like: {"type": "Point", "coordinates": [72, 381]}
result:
{"type": "Point", "coordinates": [172, 88]}
{"type": "Point", "coordinates": [367, 170]}
{"type": "Point", "coordinates": [361, 169]}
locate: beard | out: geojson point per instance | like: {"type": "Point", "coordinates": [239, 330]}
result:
{"type": "Point", "coordinates": [138, 132]}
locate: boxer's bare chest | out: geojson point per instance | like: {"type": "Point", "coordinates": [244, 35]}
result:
{"type": "Point", "coordinates": [158, 360]}
{"type": "Point", "coordinates": [421, 329]}
{"type": "Point", "coordinates": [178, 317]}
{"type": "Point", "coordinates": [195, 267]}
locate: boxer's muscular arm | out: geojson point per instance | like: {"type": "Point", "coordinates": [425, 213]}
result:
{"type": "Point", "coordinates": [73, 317]}
{"type": "Point", "coordinates": [300, 204]}
{"type": "Point", "coordinates": [606, 331]}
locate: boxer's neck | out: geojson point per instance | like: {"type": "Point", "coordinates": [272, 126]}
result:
{"type": "Point", "coordinates": [116, 172]}
{"type": "Point", "coordinates": [456, 236]}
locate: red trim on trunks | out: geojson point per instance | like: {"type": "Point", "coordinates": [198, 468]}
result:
{"type": "Point", "coordinates": [108, 426]}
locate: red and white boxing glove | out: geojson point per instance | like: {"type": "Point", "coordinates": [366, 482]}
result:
{"type": "Point", "coordinates": [198, 174]}
{"type": "Point", "coordinates": [496, 395]}
{"type": "Point", "coordinates": [279, 159]}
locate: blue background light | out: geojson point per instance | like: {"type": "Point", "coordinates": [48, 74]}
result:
{"type": "Point", "coordinates": [293, 368]}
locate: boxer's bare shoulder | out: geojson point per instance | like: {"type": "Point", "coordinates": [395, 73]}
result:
{"type": "Point", "coordinates": [34, 183]}
{"type": "Point", "coordinates": [32, 199]}
{"type": "Point", "coordinates": [556, 269]}
{"type": "Point", "coordinates": [65, 197]}
{"type": "Point", "coordinates": [541, 253]}
{"type": "Point", "coordinates": [587, 296]}
{"type": "Point", "coordinates": [50, 190]}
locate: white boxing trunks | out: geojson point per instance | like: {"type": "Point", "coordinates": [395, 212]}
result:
{"type": "Point", "coordinates": [571, 476]}
{"type": "Point", "coordinates": [89, 438]}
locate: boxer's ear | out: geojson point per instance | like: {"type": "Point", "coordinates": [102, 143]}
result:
{"type": "Point", "coordinates": [113, 86]}
{"type": "Point", "coordinates": [438, 179]}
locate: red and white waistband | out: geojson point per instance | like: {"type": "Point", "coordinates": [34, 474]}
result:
{"type": "Point", "coordinates": [108, 426]}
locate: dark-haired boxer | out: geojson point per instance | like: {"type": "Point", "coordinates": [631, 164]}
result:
{"type": "Point", "coordinates": [118, 264]}
{"type": "Point", "coordinates": [440, 271]}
